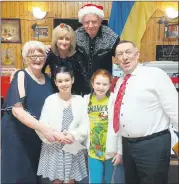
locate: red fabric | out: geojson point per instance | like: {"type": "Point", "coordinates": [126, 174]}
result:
{"type": "Point", "coordinates": [118, 102]}
{"type": "Point", "coordinates": [114, 81]}
{"type": "Point", "coordinates": [5, 83]}
{"type": "Point", "coordinates": [97, 6]}
{"type": "Point", "coordinates": [175, 80]}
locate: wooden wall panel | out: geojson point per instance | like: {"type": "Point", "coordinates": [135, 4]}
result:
{"type": "Point", "coordinates": [153, 36]}
{"type": "Point", "coordinates": [60, 9]}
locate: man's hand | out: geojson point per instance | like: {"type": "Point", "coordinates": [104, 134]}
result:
{"type": "Point", "coordinates": [48, 48]}
{"type": "Point", "coordinates": [117, 159]}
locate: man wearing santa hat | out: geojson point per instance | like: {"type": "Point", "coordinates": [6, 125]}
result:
{"type": "Point", "coordinates": [95, 41]}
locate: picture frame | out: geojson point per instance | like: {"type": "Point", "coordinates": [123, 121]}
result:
{"type": "Point", "coordinates": [10, 31]}
{"type": "Point", "coordinates": [7, 58]}
{"type": "Point", "coordinates": [42, 32]}
{"type": "Point", "coordinates": [171, 32]}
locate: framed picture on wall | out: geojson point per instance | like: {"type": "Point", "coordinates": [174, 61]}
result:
{"type": "Point", "coordinates": [171, 31]}
{"type": "Point", "coordinates": [167, 53]}
{"type": "Point", "coordinates": [42, 32]}
{"type": "Point", "coordinates": [10, 31]}
{"type": "Point", "coordinates": [7, 58]}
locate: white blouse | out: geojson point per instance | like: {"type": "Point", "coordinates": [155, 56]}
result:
{"type": "Point", "coordinates": [52, 116]}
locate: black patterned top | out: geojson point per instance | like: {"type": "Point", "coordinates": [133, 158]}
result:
{"type": "Point", "coordinates": [81, 84]}
{"type": "Point", "coordinates": [97, 52]}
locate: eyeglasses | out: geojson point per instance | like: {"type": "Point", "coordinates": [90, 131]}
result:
{"type": "Point", "coordinates": [35, 57]}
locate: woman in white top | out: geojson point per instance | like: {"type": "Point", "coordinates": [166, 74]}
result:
{"type": "Point", "coordinates": [66, 113]}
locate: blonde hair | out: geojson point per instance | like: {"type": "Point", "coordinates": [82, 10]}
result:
{"type": "Point", "coordinates": [61, 31]}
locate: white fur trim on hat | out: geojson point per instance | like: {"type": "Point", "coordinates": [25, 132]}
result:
{"type": "Point", "coordinates": [90, 10]}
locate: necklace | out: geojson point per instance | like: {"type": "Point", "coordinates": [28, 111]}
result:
{"type": "Point", "coordinates": [39, 80]}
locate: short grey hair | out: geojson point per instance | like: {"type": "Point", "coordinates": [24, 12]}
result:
{"type": "Point", "coordinates": [124, 41]}
{"type": "Point", "coordinates": [31, 46]}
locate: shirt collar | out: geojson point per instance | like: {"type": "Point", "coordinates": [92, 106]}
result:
{"type": "Point", "coordinates": [137, 70]}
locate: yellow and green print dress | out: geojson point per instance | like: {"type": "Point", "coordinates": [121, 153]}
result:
{"type": "Point", "coordinates": [98, 115]}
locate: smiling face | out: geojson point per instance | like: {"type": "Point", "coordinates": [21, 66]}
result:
{"type": "Point", "coordinates": [64, 82]}
{"type": "Point", "coordinates": [91, 24]}
{"type": "Point", "coordinates": [101, 85]}
{"type": "Point", "coordinates": [63, 43]}
{"type": "Point", "coordinates": [35, 59]}
{"type": "Point", "coordinates": [127, 56]}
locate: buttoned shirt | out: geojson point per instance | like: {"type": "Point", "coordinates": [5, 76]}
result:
{"type": "Point", "coordinates": [97, 52]}
{"type": "Point", "coordinates": [149, 104]}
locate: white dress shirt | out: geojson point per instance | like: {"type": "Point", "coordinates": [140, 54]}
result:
{"type": "Point", "coordinates": [149, 104]}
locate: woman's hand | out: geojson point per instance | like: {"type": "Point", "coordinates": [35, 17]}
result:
{"type": "Point", "coordinates": [70, 137]}
{"type": "Point", "coordinates": [48, 133]}
{"type": "Point", "coordinates": [117, 159]}
{"type": "Point", "coordinates": [63, 138]}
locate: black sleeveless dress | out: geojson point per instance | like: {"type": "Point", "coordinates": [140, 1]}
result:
{"type": "Point", "coordinates": [20, 145]}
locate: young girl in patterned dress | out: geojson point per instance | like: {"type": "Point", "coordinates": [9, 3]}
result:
{"type": "Point", "coordinates": [104, 146]}
{"type": "Point", "coordinates": [67, 114]}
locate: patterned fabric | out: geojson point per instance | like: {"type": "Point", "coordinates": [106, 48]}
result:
{"type": "Point", "coordinates": [98, 115]}
{"type": "Point", "coordinates": [57, 164]}
{"type": "Point", "coordinates": [118, 102]}
{"type": "Point", "coordinates": [80, 86]}
{"type": "Point", "coordinates": [97, 52]}
{"type": "Point", "coordinates": [108, 41]}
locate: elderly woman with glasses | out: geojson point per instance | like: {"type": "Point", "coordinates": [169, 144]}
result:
{"type": "Point", "coordinates": [27, 93]}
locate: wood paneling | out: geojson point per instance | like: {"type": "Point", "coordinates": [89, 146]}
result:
{"type": "Point", "coordinates": [153, 36]}
{"type": "Point", "coordinates": [23, 10]}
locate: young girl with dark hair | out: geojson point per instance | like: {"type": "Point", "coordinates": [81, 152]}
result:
{"type": "Point", "coordinates": [66, 113]}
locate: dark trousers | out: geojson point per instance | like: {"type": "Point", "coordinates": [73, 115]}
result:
{"type": "Point", "coordinates": [147, 161]}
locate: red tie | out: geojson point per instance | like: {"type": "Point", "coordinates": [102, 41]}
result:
{"type": "Point", "coordinates": [118, 102]}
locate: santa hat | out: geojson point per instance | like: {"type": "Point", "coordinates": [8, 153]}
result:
{"type": "Point", "coordinates": [90, 9]}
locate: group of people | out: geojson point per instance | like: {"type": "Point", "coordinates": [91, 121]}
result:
{"type": "Point", "coordinates": [128, 126]}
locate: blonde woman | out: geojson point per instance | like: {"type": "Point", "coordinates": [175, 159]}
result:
{"type": "Point", "coordinates": [63, 53]}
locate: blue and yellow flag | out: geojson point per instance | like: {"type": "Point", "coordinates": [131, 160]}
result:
{"type": "Point", "coordinates": [129, 19]}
